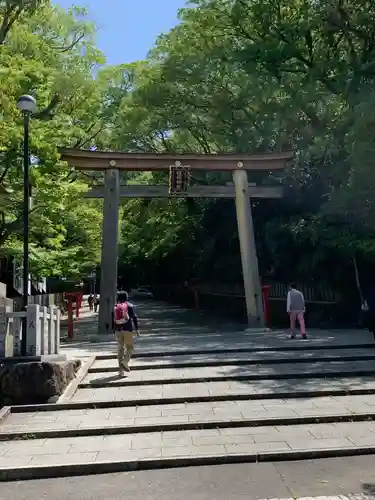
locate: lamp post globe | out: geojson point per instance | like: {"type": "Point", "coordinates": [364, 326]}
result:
{"type": "Point", "coordinates": [27, 104]}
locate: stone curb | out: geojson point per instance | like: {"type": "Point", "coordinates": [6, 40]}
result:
{"type": "Point", "coordinates": [214, 424]}
{"type": "Point", "coordinates": [4, 412]}
{"type": "Point", "coordinates": [234, 362]}
{"type": "Point", "coordinates": [74, 384]}
{"type": "Point", "coordinates": [261, 330]}
{"type": "Point", "coordinates": [53, 358]}
{"type": "Point", "coordinates": [225, 378]}
{"type": "Point", "coordinates": [100, 339]}
{"type": "Point", "coordinates": [190, 352]}
{"type": "Point", "coordinates": [84, 405]}
{"type": "Point", "coordinates": [90, 468]}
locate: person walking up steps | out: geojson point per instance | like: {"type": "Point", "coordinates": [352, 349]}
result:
{"type": "Point", "coordinates": [295, 306]}
{"type": "Point", "coordinates": [124, 320]}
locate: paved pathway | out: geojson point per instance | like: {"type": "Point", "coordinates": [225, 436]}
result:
{"type": "Point", "coordinates": [353, 496]}
{"type": "Point", "coordinates": [200, 393]}
{"type": "Point", "coordinates": [340, 477]}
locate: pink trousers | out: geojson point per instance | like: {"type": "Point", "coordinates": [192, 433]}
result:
{"type": "Point", "coordinates": [301, 320]}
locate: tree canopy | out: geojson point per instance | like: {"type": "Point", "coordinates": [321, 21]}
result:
{"type": "Point", "coordinates": [250, 76]}
{"type": "Point", "coordinates": [50, 54]}
{"type": "Point", "coordinates": [233, 75]}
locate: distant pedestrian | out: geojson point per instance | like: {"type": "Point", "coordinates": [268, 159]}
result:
{"type": "Point", "coordinates": [295, 306]}
{"type": "Point", "coordinates": [124, 321]}
{"type": "Point", "coordinates": [96, 303]}
{"type": "Point", "coordinates": [368, 309]}
{"type": "Point", "coordinates": [90, 300]}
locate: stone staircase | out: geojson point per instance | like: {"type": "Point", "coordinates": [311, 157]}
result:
{"type": "Point", "coordinates": [195, 406]}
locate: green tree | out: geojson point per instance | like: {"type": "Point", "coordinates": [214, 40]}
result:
{"type": "Point", "coordinates": [51, 53]}
{"type": "Point", "coordinates": [267, 75]}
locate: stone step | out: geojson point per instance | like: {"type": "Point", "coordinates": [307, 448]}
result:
{"type": "Point", "coordinates": [350, 496]}
{"type": "Point", "coordinates": [290, 346]}
{"type": "Point", "coordinates": [240, 359]}
{"type": "Point", "coordinates": [149, 348]}
{"type": "Point", "coordinates": [55, 457]}
{"type": "Point", "coordinates": [183, 339]}
{"type": "Point", "coordinates": [235, 372]}
{"type": "Point", "coordinates": [183, 416]}
{"type": "Point", "coordinates": [230, 389]}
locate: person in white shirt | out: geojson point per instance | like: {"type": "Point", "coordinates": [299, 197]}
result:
{"type": "Point", "coordinates": [295, 306]}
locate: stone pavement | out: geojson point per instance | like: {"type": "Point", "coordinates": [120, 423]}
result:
{"type": "Point", "coordinates": [199, 392]}
{"type": "Point", "coordinates": [353, 496]}
{"type": "Point", "coordinates": [249, 481]}
{"type": "Point", "coordinates": [85, 323]}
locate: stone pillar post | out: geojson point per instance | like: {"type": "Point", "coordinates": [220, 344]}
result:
{"type": "Point", "coordinates": [6, 336]}
{"type": "Point", "coordinates": [34, 340]}
{"type": "Point", "coordinates": [44, 321]}
{"type": "Point", "coordinates": [52, 330]}
{"type": "Point", "coordinates": [57, 313]}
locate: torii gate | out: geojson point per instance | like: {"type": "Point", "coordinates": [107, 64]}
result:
{"type": "Point", "coordinates": [179, 166]}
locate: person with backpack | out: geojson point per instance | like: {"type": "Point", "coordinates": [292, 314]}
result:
{"type": "Point", "coordinates": [124, 321]}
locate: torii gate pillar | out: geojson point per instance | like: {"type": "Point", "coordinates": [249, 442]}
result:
{"type": "Point", "coordinates": [250, 270]}
{"type": "Point", "coordinates": [108, 280]}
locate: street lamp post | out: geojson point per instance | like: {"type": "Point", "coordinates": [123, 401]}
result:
{"type": "Point", "coordinates": [27, 105]}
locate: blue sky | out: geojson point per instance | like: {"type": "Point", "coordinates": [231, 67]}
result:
{"type": "Point", "coordinates": [127, 29]}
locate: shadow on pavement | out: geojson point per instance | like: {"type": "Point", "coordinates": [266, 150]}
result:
{"type": "Point", "coordinates": [166, 328]}
{"type": "Point", "coordinates": [112, 378]}
{"type": "Point", "coordinates": [369, 487]}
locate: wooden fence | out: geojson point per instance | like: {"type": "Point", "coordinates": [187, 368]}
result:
{"type": "Point", "coordinates": [278, 291]}
{"type": "Point", "coordinates": [325, 307]}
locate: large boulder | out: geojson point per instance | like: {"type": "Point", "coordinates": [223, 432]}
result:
{"type": "Point", "coordinates": [36, 381]}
